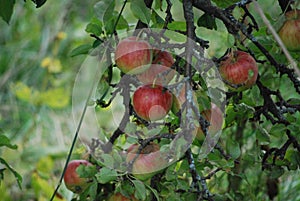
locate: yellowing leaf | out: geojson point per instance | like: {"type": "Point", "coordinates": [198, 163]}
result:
{"type": "Point", "coordinates": [45, 165]}
{"type": "Point", "coordinates": [46, 62]}
{"type": "Point", "coordinates": [55, 98]}
{"type": "Point", "coordinates": [55, 66]}
{"type": "Point", "coordinates": [52, 65]}
{"type": "Point", "coordinates": [42, 188]}
{"type": "Point", "coordinates": [61, 35]}
{"type": "Point", "coordinates": [22, 91]}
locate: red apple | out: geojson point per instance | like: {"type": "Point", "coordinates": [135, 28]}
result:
{"type": "Point", "coordinates": [133, 55]}
{"type": "Point", "coordinates": [290, 31]}
{"type": "Point", "coordinates": [72, 180]}
{"type": "Point", "coordinates": [148, 162]}
{"type": "Point", "coordinates": [214, 116]}
{"type": "Point", "coordinates": [120, 197]}
{"type": "Point", "coordinates": [160, 71]}
{"type": "Point", "coordinates": [152, 102]}
{"type": "Point", "coordinates": [238, 70]}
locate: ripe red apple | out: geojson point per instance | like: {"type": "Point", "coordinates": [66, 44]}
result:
{"type": "Point", "coordinates": [152, 102]}
{"type": "Point", "coordinates": [214, 116]}
{"type": "Point", "coordinates": [133, 55]}
{"type": "Point", "coordinates": [238, 70]}
{"type": "Point", "coordinates": [148, 162]}
{"type": "Point", "coordinates": [160, 71]}
{"type": "Point", "coordinates": [290, 31]}
{"type": "Point", "coordinates": [72, 180]}
{"type": "Point", "coordinates": [120, 197]}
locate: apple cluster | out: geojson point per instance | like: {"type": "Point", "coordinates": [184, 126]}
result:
{"type": "Point", "coordinates": [151, 101]}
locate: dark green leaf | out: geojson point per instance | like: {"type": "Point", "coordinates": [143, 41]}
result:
{"type": "Point", "coordinates": [140, 188]}
{"type": "Point", "coordinates": [15, 173]}
{"type": "Point", "coordinates": [6, 9]}
{"type": "Point", "coordinates": [106, 175]}
{"type": "Point", "coordinates": [207, 21]}
{"type": "Point", "coordinates": [233, 148]}
{"type": "Point", "coordinates": [82, 49]}
{"type": "Point", "coordinates": [126, 188]}
{"type": "Point", "coordinates": [96, 43]}
{"type": "Point", "coordinates": [276, 172]}
{"type": "Point", "coordinates": [5, 141]}
{"type": "Point", "coordinates": [140, 11]}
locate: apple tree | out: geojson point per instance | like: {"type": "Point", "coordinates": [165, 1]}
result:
{"type": "Point", "coordinates": [190, 123]}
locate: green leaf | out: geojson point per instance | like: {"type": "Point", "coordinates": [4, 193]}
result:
{"type": "Point", "coordinates": [5, 141]}
{"type": "Point", "coordinates": [278, 130]}
{"type": "Point", "coordinates": [262, 136]}
{"type": "Point", "coordinates": [154, 191]}
{"type": "Point", "coordinates": [92, 191]}
{"type": "Point", "coordinates": [94, 28]}
{"type": "Point", "coordinates": [15, 173]}
{"type": "Point", "coordinates": [177, 26]}
{"type": "Point", "coordinates": [6, 9]}
{"type": "Point", "coordinates": [126, 188]}
{"type": "Point", "coordinates": [225, 3]}
{"type": "Point", "coordinates": [108, 160]}
{"type": "Point", "coordinates": [207, 21]}
{"type": "Point", "coordinates": [104, 9]}
{"type": "Point", "coordinates": [140, 11]}
{"type": "Point", "coordinates": [293, 157]}
{"type": "Point", "coordinates": [86, 171]}
{"type": "Point", "coordinates": [122, 24]}
{"type": "Point", "coordinates": [170, 174]}
{"type": "Point", "coordinates": [140, 188]}
{"type": "Point", "coordinates": [82, 49]}
{"type": "Point", "coordinates": [106, 175]}
{"type": "Point", "coordinates": [276, 172]}
{"type": "Point", "coordinates": [158, 22]}
{"type": "Point", "coordinates": [233, 148]}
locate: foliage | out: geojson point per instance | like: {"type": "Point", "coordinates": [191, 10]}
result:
{"type": "Point", "coordinates": [257, 156]}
